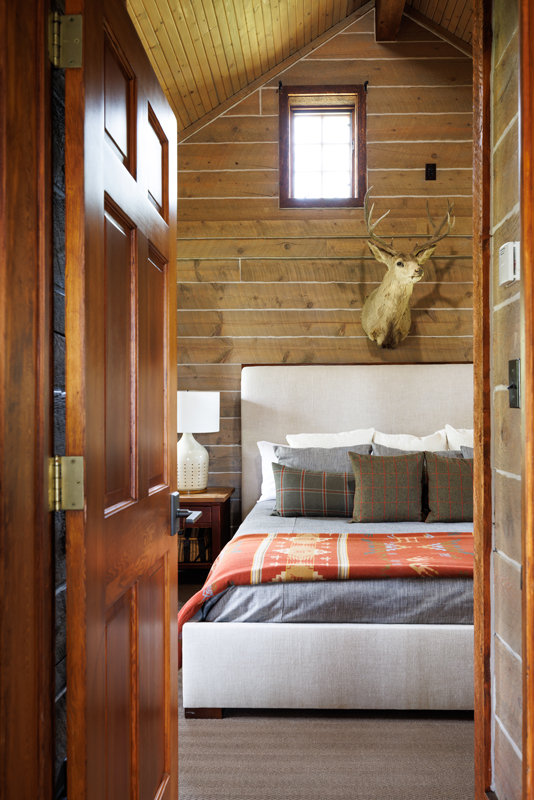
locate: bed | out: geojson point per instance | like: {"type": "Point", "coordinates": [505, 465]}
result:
{"type": "Point", "coordinates": [233, 658]}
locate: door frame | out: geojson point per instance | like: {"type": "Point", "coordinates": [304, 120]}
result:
{"type": "Point", "coordinates": [482, 102]}
{"type": "Point", "coordinates": [482, 486]}
{"type": "Point", "coordinates": [26, 530]}
{"type": "Point", "coordinates": [526, 113]}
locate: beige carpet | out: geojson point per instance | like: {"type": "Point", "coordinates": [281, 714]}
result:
{"type": "Point", "coordinates": [325, 755]}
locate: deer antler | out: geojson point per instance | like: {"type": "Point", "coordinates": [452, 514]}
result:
{"type": "Point", "coordinates": [438, 236]}
{"type": "Point", "coordinates": [370, 227]}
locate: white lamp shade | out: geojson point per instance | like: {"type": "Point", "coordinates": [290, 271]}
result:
{"type": "Point", "coordinates": [198, 412]}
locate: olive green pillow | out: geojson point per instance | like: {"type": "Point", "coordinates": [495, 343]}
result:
{"type": "Point", "coordinates": [387, 488]}
{"type": "Point", "coordinates": [450, 488]}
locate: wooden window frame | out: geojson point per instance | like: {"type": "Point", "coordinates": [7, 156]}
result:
{"type": "Point", "coordinates": [288, 99]}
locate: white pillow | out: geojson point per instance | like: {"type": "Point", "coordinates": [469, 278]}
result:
{"type": "Point", "coordinates": [344, 439]}
{"type": "Point", "coordinates": [268, 488]}
{"type": "Point", "coordinates": [404, 441]}
{"type": "Point", "coordinates": [460, 437]}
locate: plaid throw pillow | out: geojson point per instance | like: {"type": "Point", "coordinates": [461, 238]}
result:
{"type": "Point", "coordinates": [450, 489]}
{"type": "Point", "coordinates": [306, 493]}
{"type": "Point", "coordinates": [387, 488]}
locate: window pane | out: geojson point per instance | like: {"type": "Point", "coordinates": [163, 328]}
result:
{"type": "Point", "coordinates": [307, 184]}
{"type": "Point", "coordinates": [336, 184]}
{"type": "Point", "coordinates": [306, 128]}
{"type": "Point", "coordinates": [322, 154]}
{"type": "Point", "coordinates": [336, 128]}
{"type": "Point", "coordinates": [306, 156]}
{"type": "Point", "coordinates": [336, 157]}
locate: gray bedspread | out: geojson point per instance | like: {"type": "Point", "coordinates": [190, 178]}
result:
{"type": "Point", "coordinates": [260, 521]}
{"type": "Point", "coordinates": [437, 601]}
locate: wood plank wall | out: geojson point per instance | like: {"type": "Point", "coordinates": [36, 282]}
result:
{"type": "Point", "coordinates": [263, 285]}
{"type": "Point", "coordinates": [507, 437]}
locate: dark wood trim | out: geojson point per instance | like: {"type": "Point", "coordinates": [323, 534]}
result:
{"type": "Point", "coordinates": [482, 41]}
{"type": "Point", "coordinates": [443, 33]}
{"type": "Point", "coordinates": [26, 531]}
{"type": "Point", "coordinates": [45, 521]}
{"type": "Point", "coordinates": [279, 69]}
{"type": "Point", "coordinates": [75, 369]}
{"type": "Point", "coordinates": [527, 401]}
{"type": "Point", "coordinates": [203, 713]}
{"type": "Point", "coordinates": [388, 16]}
{"type": "Point", "coordinates": [287, 102]}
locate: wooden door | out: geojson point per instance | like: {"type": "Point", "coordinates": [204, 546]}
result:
{"type": "Point", "coordinates": [121, 416]}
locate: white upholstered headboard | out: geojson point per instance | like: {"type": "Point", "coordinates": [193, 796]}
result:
{"type": "Point", "coordinates": [406, 398]}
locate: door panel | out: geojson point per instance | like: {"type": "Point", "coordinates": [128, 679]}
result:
{"type": "Point", "coordinates": [154, 390]}
{"type": "Point", "coordinates": [157, 148]}
{"type": "Point", "coordinates": [120, 334]}
{"type": "Point", "coordinates": [133, 548]}
{"type": "Point", "coordinates": [153, 732]}
{"type": "Point", "coordinates": [155, 154]}
{"type": "Point", "coordinates": [121, 716]}
{"type": "Point", "coordinates": [119, 102]}
{"type": "Point", "coordinates": [122, 729]}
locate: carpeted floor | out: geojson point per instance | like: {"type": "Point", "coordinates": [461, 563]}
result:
{"type": "Point", "coordinates": [325, 755]}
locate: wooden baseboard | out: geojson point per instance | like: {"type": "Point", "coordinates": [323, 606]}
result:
{"type": "Point", "coordinates": [203, 713]}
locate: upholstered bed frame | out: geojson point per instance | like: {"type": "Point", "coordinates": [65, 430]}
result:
{"type": "Point", "coordinates": [269, 665]}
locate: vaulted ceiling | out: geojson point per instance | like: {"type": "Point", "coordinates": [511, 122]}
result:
{"type": "Point", "coordinates": [209, 53]}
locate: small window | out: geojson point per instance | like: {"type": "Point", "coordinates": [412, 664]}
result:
{"type": "Point", "coordinates": [322, 146]}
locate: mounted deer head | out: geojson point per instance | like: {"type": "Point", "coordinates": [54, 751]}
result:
{"type": "Point", "coordinates": [386, 317]}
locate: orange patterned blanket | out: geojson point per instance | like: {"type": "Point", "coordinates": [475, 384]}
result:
{"type": "Point", "coordinates": [279, 557]}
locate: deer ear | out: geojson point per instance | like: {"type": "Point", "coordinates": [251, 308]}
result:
{"type": "Point", "coordinates": [379, 254]}
{"type": "Point", "coordinates": [425, 255]}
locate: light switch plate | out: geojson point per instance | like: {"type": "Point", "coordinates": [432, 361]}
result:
{"type": "Point", "coordinates": [509, 263]}
{"type": "Point", "coordinates": [514, 381]}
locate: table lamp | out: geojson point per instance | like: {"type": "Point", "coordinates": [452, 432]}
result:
{"type": "Point", "coordinates": [198, 412]}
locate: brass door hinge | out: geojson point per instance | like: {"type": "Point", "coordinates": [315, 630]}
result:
{"type": "Point", "coordinates": [65, 483]}
{"type": "Point", "coordinates": [65, 39]}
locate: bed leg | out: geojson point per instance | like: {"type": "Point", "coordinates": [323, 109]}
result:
{"type": "Point", "coordinates": [203, 713]}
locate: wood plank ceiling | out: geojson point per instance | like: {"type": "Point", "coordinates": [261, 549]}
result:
{"type": "Point", "coordinates": [206, 51]}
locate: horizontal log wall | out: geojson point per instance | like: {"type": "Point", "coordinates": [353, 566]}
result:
{"type": "Point", "coordinates": [263, 285]}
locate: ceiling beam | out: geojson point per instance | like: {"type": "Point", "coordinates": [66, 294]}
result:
{"type": "Point", "coordinates": [388, 15]}
{"type": "Point", "coordinates": [430, 25]}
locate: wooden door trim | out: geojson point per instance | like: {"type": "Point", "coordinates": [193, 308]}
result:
{"type": "Point", "coordinates": [26, 530]}
{"type": "Point", "coordinates": [81, 555]}
{"type": "Point", "coordinates": [526, 114]}
{"type": "Point", "coordinates": [482, 43]}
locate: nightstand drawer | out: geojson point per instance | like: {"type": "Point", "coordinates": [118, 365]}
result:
{"type": "Point", "coordinates": [205, 519]}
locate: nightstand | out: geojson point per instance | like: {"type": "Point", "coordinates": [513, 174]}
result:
{"type": "Point", "coordinates": [214, 504]}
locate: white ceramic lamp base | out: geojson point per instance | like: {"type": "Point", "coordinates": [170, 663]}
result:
{"type": "Point", "coordinates": [193, 463]}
